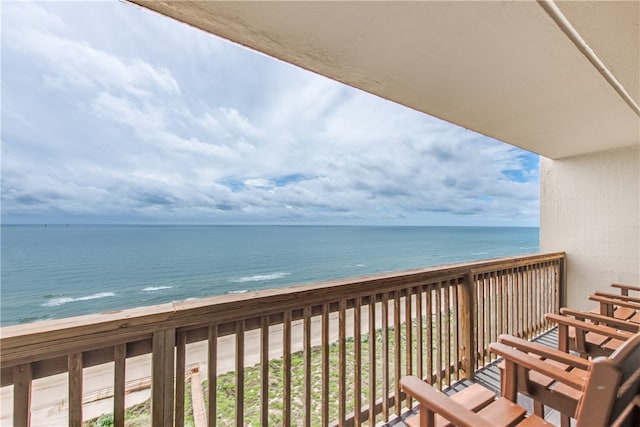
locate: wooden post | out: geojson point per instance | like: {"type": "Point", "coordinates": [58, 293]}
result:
{"type": "Point", "coordinates": [239, 372]}
{"type": "Point", "coordinates": [466, 324]}
{"type": "Point", "coordinates": [562, 284]}
{"type": "Point", "coordinates": [74, 364]}
{"type": "Point", "coordinates": [212, 357]}
{"type": "Point", "coordinates": [162, 393]}
{"type": "Point", "coordinates": [325, 365]}
{"type": "Point", "coordinates": [286, 369]}
{"type": "Point", "coordinates": [119, 381]}
{"type": "Point", "coordinates": [180, 379]}
{"type": "Point", "coordinates": [307, 365]}
{"type": "Point", "coordinates": [264, 370]}
{"type": "Point", "coordinates": [22, 377]}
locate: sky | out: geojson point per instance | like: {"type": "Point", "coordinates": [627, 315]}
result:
{"type": "Point", "coordinates": [114, 114]}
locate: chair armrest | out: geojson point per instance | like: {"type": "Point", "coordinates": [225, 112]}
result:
{"type": "Point", "coordinates": [544, 351]}
{"type": "Point", "coordinates": [589, 327]}
{"type": "Point", "coordinates": [617, 296]}
{"type": "Point", "coordinates": [527, 361]}
{"type": "Point", "coordinates": [600, 318]}
{"type": "Point", "coordinates": [440, 403]}
{"type": "Point", "coordinates": [624, 289]}
{"type": "Point", "coordinates": [614, 301]}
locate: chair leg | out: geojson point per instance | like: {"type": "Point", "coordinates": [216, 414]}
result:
{"type": "Point", "coordinates": [565, 420]}
{"type": "Point", "coordinates": [538, 408]}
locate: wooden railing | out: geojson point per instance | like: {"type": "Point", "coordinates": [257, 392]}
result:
{"type": "Point", "coordinates": [320, 354]}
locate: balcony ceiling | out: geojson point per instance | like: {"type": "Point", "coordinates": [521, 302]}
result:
{"type": "Point", "coordinates": [508, 70]}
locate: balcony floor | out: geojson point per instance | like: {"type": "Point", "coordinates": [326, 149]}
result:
{"type": "Point", "coordinates": [489, 377]}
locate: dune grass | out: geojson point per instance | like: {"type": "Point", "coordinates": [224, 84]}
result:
{"type": "Point", "coordinates": [226, 385]}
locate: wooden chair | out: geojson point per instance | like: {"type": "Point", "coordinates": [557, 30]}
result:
{"type": "Point", "coordinates": [604, 328]}
{"type": "Point", "coordinates": [624, 289]}
{"type": "Point", "coordinates": [606, 392]}
{"type": "Point", "coordinates": [619, 306]}
{"type": "Point", "coordinates": [590, 334]}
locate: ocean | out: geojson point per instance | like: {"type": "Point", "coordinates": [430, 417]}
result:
{"type": "Point", "coordinates": [57, 271]}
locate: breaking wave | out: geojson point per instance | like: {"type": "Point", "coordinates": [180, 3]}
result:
{"type": "Point", "coordinates": [54, 302]}
{"type": "Point", "coordinates": [260, 277]}
{"type": "Point", "coordinates": [155, 288]}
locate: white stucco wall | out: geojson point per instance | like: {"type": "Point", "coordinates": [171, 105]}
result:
{"type": "Point", "coordinates": [590, 209]}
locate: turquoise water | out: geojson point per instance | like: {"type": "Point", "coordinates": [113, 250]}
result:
{"type": "Point", "coordinates": [60, 271]}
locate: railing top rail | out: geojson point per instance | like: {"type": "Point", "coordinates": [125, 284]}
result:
{"type": "Point", "coordinates": [124, 325]}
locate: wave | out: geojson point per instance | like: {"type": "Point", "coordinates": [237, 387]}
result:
{"type": "Point", "coordinates": [54, 302]}
{"type": "Point", "coordinates": [23, 320]}
{"type": "Point", "coordinates": [155, 288]}
{"type": "Point", "coordinates": [241, 291]}
{"type": "Point", "coordinates": [260, 277]}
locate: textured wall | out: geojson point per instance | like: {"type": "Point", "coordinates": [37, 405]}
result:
{"type": "Point", "coordinates": [590, 208]}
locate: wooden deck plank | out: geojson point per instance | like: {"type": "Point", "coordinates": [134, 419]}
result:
{"type": "Point", "coordinates": [489, 377]}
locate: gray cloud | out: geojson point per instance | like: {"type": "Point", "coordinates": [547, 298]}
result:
{"type": "Point", "coordinates": [161, 122]}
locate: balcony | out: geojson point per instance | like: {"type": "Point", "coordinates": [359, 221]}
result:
{"type": "Point", "coordinates": [302, 355]}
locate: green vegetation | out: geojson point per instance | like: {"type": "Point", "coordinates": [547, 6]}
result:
{"type": "Point", "coordinates": [226, 387]}
{"type": "Point", "coordinates": [140, 415]}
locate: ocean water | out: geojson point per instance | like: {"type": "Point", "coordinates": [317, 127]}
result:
{"type": "Point", "coordinates": [57, 271]}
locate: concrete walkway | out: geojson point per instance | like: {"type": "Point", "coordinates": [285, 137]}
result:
{"type": "Point", "coordinates": [197, 401]}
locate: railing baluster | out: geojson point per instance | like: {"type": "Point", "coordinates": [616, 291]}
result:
{"type": "Point", "coordinates": [264, 370]}
{"type": "Point", "coordinates": [74, 362]}
{"type": "Point", "coordinates": [439, 334]}
{"type": "Point", "coordinates": [286, 369]}
{"type": "Point", "coordinates": [357, 362]}
{"type": "Point", "coordinates": [212, 374]}
{"type": "Point", "coordinates": [22, 378]}
{"type": "Point", "coordinates": [307, 365]}
{"type": "Point", "coordinates": [372, 359]}
{"type": "Point", "coordinates": [396, 351]}
{"type": "Point", "coordinates": [325, 364]}
{"type": "Point", "coordinates": [532, 303]}
{"type": "Point", "coordinates": [429, 327]}
{"type": "Point", "coordinates": [408, 349]}
{"type": "Point", "coordinates": [342, 362]}
{"type": "Point", "coordinates": [486, 357]}
{"type": "Point", "coordinates": [448, 332]}
{"type": "Point", "coordinates": [181, 344]}
{"type": "Point", "coordinates": [525, 302]}
{"type": "Point", "coordinates": [504, 298]}
{"type": "Point", "coordinates": [541, 296]}
{"type": "Point", "coordinates": [520, 303]}
{"type": "Point", "coordinates": [530, 299]}
{"type": "Point", "coordinates": [419, 333]}
{"type": "Point", "coordinates": [495, 312]}
{"type": "Point", "coordinates": [408, 315]}
{"type": "Point", "coordinates": [385, 356]}
{"type": "Point", "coordinates": [119, 369]}
{"type": "Point", "coordinates": [455, 329]}
{"type": "Point", "coordinates": [513, 307]}
{"type": "Point", "coordinates": [480, 329]}
{"type": "Point", "coordinates": [534, 299]}
{"type": "Point", "coordinates": [548, 295]}
{"type": "Point", "coordinates": [239, 373]}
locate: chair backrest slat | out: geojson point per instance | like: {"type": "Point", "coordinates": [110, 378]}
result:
{"type": "Point", "coordinates": [613, 385]}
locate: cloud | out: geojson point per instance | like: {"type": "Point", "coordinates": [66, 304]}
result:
{"type": "Point", "coordinates": [205, 131]}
